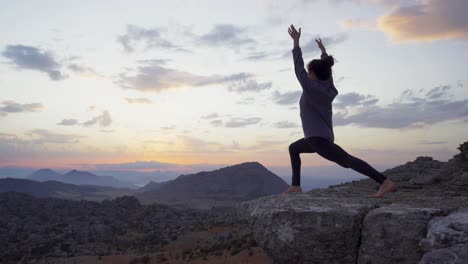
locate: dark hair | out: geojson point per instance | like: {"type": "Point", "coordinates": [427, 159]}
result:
{"type": "Point", "coordinates": [322, 67]}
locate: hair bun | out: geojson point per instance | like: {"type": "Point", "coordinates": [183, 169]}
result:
{"type": "Point", "coordinates": [329, 61]}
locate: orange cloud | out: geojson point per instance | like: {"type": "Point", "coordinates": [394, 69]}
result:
{"type": "Point", "coordinates": [429, 20]}
{"type": "Point", "coordinates": [355, 23]}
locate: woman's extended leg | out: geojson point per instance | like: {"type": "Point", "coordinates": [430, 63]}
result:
{"type": "Point", "coordinates": [335, 153]}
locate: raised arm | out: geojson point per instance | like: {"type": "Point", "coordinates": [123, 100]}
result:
{"type": "Point", "coordinates": [324, 52]}
{"type": "Point", "coordinates": [301, 73]}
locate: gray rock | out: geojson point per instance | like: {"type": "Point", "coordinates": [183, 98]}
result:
{"type": "Point", "coordinates": [391, 234]}
{"type": "Point", "coordinates": [423, 170]}
{"type": "Point", "coordinates": [447, 231]}
{"type": "Point", "coordinates": [447, 239]}
{"type": "Point", "coordinates": [300, 228]}
{"type": "Point", "coordinates": [460, 180]}
{"type": "Point", "coordinates": [426, 178]}
{"type": "Point", "coordinates": [453, 255]}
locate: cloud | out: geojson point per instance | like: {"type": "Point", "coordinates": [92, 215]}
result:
{"type": "Point", "coordinates": [197, 145]}
{"type": "Point", "coordinates": [152, 76]}
{"type": "Point", "coordinates": [356, 23]}
{"type": "Point", "coordinates": [166, 128]}
{"type": "Point", "coordinates": [259, 55]}
{"type": "Point", "coordinates": [41, 136]}
{"type": "Point", "coordinates": [412, 109]}
{"type": "Point", "coordinates": [246, 101]}
{"type": "Point", "coordinates": [426, 20]}
{"type": "Point", "coordinates": [103, 120]}
{"type": "Point", "coordinates": [84, 71]}
{"type": "Point", "coordinates": [285, 124]}
{"type": "Point", "coordinates": [263, 145]}
{"type": "Point", "coordinates": [8, 107]}
{"type": "Point", "coordinates": [291, 97]}
{"type": "Point", "coordinates": [329, 41]}
{"type": "Point", "coordinates": [438, 91]}
{"type": "Point", "coordinates": [32, 58]}
{"type": "Point", "coordinates": [140, 100]}
{"type": "Point", "coordinates": [226, 35]}
{"type": "Point", "coordinates": [211, 116]}
{"type": "Point", "coordinates": [68, 122]}
{"type": "Point", "coordinates": [150, 38]}
{"type": "Point", "coordinates": [242, 122]}
{"type": "Point", "coordinates": [216, 122]}
{"type": "Point", "coordinates": [426, 142]}
{"type": "Point", "coordinates": [354, 99]}
{"type": "Point", "coordinates": [248, 85]}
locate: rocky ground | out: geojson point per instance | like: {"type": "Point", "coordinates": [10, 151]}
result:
{"type": "Point", "coordinates": [52, 230]}
{"type": "Point", "coordinates": [425, 221]}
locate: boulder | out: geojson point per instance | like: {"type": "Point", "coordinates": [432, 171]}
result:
{"type": "Point", "coordinates": [460, 180]}
{"type": "Point", "coordinates": [447, 239]}
{"type": "Point", "coordinates": [452, 255]}
{"type": "Point", "coordinates": [300, 228]}
{"type": "Point", "coordinates": [447, 231]}
{"type": "Point", "coordinates": [391, 234]}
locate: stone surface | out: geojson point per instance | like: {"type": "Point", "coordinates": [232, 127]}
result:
{"type": "Point", "coordinates": [452, 255]}
{"type": "Point", "coordinates": [391, 234]}
{"type": "Point", "coordinates": [447, 239]}
{"type": "Point", "coordinates": [460, 180]}
{"type": "Point", "coordinates": [300, 228]}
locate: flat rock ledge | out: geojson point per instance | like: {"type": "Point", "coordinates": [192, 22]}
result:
{"type": "Point", "coordinates": [320, 227]}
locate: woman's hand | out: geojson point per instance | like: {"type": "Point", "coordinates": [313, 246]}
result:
{"type": "Point", "coordinates": [295, 35]}
{"type": "Point", "coordinates": [320, 45]}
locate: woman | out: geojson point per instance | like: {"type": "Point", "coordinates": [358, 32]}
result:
{"type": "Point", "coordinates": [318, 93]}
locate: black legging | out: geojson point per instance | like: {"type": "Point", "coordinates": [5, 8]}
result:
{"type": "Point", "coordinates": [332, 152]}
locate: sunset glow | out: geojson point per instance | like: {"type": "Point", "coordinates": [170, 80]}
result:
{"type": "Point", "coordinates": [169, 85]}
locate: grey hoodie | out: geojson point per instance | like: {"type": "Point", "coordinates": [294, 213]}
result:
{"type": "Point", "coordinates": [316, 101]}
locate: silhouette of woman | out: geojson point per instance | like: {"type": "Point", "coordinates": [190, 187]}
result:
{"type": "Point", "coordinates": [318, 92]}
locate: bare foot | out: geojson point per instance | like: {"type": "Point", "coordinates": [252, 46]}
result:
{"type": "Point", "coordinates": [293, 189]}
{"type": "Point", "coordinates": [386, 187]}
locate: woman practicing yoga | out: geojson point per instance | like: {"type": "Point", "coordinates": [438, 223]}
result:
{"type": "Point", "coordinates": [318, 92]}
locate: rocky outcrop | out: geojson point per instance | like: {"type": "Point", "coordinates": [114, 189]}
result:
{"type": "Point", "coordinates": [426, 221]}
{"type": "Point", "coordinates": [423, 171]}
{"type": "Point", "coordinates": [392, 233]}
{"type": "Point", "coordinates": [306, 229]}
{"type": "Point", "coordinates": [447, 239]}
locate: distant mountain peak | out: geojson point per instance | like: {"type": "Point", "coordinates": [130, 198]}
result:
{"type": "Point", "coordinates": [77, 172]}
{"type": "Point", "coordinates": [44, 175]}
{"type": "Point", "coordinates": [45, 170]}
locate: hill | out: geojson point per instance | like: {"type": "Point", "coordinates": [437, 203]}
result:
{"type": "Point", "coordinates": [222, 187]}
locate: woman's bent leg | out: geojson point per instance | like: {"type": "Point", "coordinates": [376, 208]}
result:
{"type": "Point", "coordinates": [296, 148]}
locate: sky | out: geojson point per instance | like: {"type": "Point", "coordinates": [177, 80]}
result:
{"type": "Point", "coordinates": [165, 85]}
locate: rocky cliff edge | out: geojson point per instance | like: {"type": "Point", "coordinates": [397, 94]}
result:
{"type": "Point", "coordinates": [425, 222]}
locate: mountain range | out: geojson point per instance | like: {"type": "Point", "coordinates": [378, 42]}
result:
{"type": "Point", "coordinates": [78, 178]}
{"type": "Point", "coordinates": [223, 187]}
{"type": "Point", "coordinates": [61, 190]}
